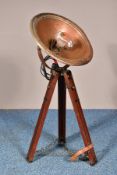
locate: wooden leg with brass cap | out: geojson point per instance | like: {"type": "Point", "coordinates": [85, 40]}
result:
{"type": "Point", "coordinates": [42, 116]}
{"type": "Point", "coordinates": [61, 110]}
{"type": "Point", "coordinates": [81, 120]}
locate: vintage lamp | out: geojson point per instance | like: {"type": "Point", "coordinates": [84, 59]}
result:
{"type": "Point", "coordinates": [63, 41]}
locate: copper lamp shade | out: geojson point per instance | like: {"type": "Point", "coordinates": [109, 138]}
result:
{"type": "Point", "coordinates": [61, 39]}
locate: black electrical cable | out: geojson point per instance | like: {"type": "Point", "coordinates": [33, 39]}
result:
{"type": "Point", "coordinates": [43, 68]}
{"type": "Point", "coordinates": [55, 66]}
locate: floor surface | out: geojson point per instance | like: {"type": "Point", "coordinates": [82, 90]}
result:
{"type": "Point", "coordinates": [16, 129]}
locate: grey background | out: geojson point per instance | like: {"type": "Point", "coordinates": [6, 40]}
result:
{"type": "Point", "coordinates": [21, 84]}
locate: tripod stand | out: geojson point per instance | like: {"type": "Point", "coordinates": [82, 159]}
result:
{"type": "Point", "coordinates": [65, 79]}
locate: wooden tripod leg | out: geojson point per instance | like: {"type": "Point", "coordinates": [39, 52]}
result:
{"type": "Point", "coordinates": [42, 116]}
{"type": "Point", "coordinates": [61, 110]}
{"type": "Point", "coordinates": [79, 115]}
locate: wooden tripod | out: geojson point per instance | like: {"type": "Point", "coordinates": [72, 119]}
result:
{"type": "Point", "coordinates": [64, 79]}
